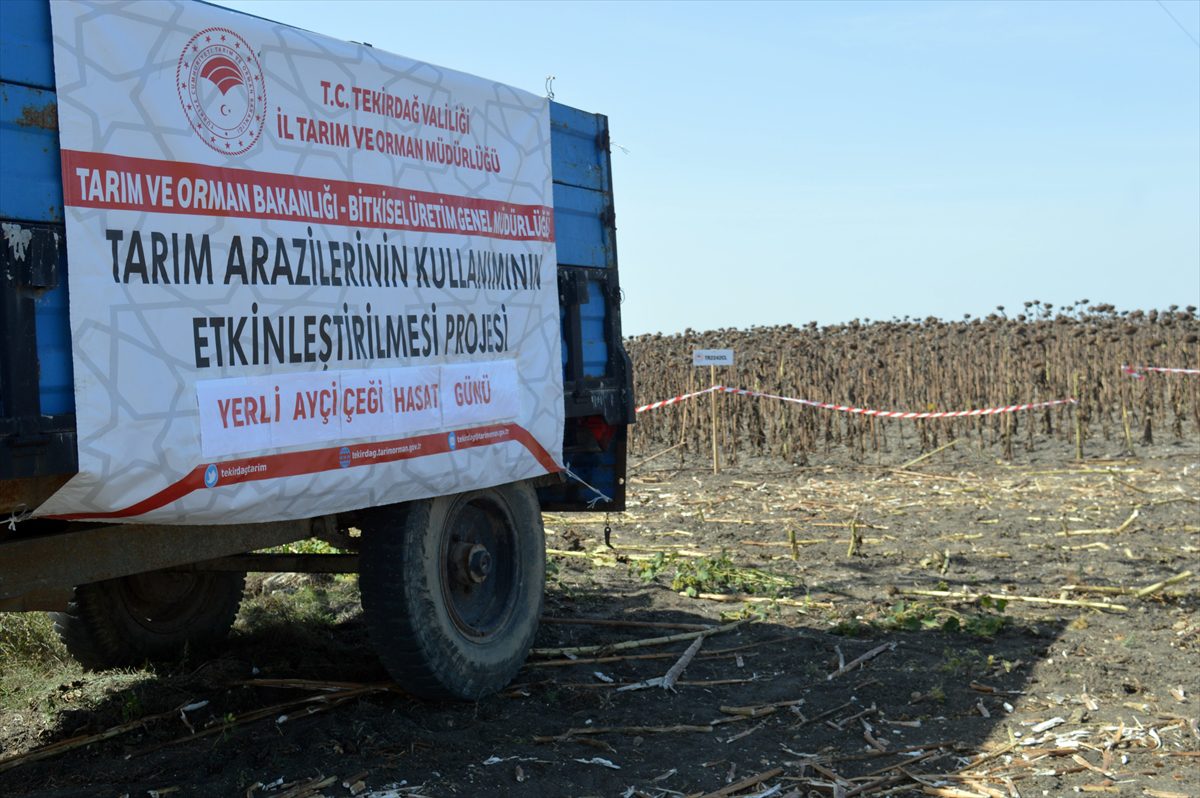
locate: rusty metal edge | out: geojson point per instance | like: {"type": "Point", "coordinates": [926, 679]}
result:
{"type": "Point", "coordinates": [52, 563]}
{"type": "Point", "coordinates": [280, 564]}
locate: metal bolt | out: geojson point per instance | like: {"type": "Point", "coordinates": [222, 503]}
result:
{"type": "Point", "coordinates": [479, 563]}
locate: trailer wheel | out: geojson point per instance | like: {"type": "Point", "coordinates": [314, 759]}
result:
{"type": "Point", "coordinates": [152, 616]}
{"type": "Point", "coordinates": [452, 589]}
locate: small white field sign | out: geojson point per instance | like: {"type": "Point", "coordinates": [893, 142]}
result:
{"type": "Point", "coordinates": [712, 357]}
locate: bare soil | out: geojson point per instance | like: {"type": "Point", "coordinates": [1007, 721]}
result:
{"type": "Point", "coordinates": [961, 696]}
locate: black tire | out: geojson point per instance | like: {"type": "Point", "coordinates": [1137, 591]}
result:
{"type": "Point", "coordinates": [452, 589]}
{"type": "Point", "coordinates": [158, 615]}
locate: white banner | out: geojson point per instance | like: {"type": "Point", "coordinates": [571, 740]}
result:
{"type": "Point", "coordinates": [305, 276]}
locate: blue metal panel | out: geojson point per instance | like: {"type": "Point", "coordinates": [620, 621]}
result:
{"type": "Point", "coordinates": [579, 231]}
{"type": "Point", "coordinates": [26, 55]}
{"type": "Point", "coordinates": [32, 186]}
{"type": "Point", "coordinates": [55, 380]}
{"type": "Point", "coordinates": [598, 468]}
{"type": "Point", "coordinates": [575, 137]}
{"type": "Point", "coordinates": [31, 190]}
{"type": "Point", "coordinates": [594, 317]}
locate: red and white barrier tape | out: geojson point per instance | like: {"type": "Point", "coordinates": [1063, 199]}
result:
{"type": "Point", "coordinates": [1137, 371]}
{"type": "Point", "coordinates": [989, 411]}
{"type": "Point", "coordinates": [675, 399]}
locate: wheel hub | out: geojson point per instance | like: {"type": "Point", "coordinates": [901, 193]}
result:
{"type": "Point", "coordinates": [472, 562]}
{"type": "Point", "coordinates": [479, 563]}
{"type": "Point", "coordinates": [480, 578]}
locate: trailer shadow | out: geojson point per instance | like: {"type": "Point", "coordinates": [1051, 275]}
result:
{"type": "Point", "coordinates": [765, 694]}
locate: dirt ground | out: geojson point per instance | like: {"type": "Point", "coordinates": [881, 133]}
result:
{"type": "Point", "coordinates": [956, 695]}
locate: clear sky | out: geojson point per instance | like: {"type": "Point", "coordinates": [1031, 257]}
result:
{"type": "Point", "coordinates": [795, 162]}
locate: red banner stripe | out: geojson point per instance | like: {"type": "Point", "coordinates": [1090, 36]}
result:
{"type": "Point", "coordinates": [124, 184]}
{"type": "Point", "coordinates": [291, 464]}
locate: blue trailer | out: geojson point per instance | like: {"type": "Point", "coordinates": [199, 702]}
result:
{"type": "Point", "coordinates": [126, 592]}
